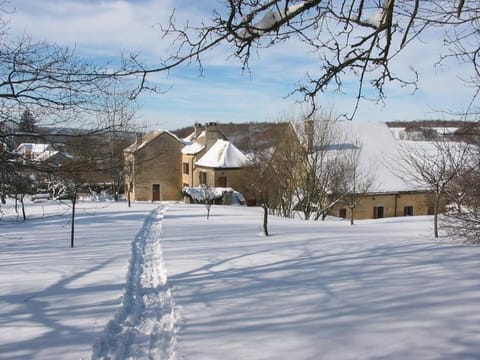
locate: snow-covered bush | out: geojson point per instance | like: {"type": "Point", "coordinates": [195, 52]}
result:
{"type": "Point", "coordinates": [202, 194]}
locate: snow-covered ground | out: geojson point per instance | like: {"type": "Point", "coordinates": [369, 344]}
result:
{"type": "Point", "coordinates": [162, 281]}
{"type": "Point", "coordinates": [55, 301]}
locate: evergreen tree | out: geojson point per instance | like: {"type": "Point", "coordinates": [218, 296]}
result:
{"type": "Point", "coordinates": [27, 122]}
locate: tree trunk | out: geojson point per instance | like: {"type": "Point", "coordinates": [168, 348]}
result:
{"type": "Point", "coordinates": [208, 206]}
{"type": "Point", "coordinates": [353, 201]}
{"type": "Point", "coordinates": [115, 191]}
{"type": "Point", "coordinates": [128, 197]}
{"type": "Point", "coordinates": [435, 215]}
{"type": "Point", "coordinates": [72, 234]}
{"type": "Point", "coordinates": [265, 220]}
{"type": "Point", "coordinates": [23, 207]}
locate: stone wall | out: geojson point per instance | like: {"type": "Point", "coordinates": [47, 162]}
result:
{"type": "Point", "coordinates": [220, 177]}
{"type": "Point", "coordinates": [158, 162]}
{"type": "Point", "coordinates": [391, 204]}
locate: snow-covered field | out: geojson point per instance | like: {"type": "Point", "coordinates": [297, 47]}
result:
{"type": "Point", "coordinates": [161, 281]}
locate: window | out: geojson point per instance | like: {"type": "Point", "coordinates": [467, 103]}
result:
{"type": "Point", "coordinates": [202, 177]}
{"type": "Point", "coordinates": [186, 168]}
{"type": "Point", "coordinates": [408, 211]}
{"type": "Point", "coordinates": [378, 212]}
{"type": "Point", "coordinates": [342, 213]}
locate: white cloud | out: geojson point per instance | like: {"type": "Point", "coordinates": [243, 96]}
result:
{"type": "Point", "coordinates": [105, 28]}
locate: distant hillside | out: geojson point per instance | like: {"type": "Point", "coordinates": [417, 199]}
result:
{"type": "Point", "coordinates": [429, 124]}
{"type": "Point", "coordinates": [245, 136]}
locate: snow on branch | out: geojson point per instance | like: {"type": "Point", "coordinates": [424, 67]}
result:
{"type": "Point", "coordinates": [272, 19]}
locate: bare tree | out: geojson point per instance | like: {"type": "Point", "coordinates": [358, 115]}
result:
{"type": "Point", "coordinates": [72, 176]}
{"type": "Point", "coordinates": [355, 181]}
{"type": "Point", "coordinates": [436, 165]}
{"type": "Point", "coordinates": [463, 218]}
{"type": "Point", "coordinates": [350, 37]}
{"type": "Point", "coordinates": [314, 181]}
{"type": "Point", "coordinates": [22, 185]}
{"type": "Point", "coordinates": [286, 159]}
{"type": "Point", "coordinates": [49, 85]}
{"type": "Point", "coordinates": [208, 198]}
{"type": "Point", "coordinates": [262, 183]}
{"type": "Point", "coordinates": [118, 119]}
{"type": "Point", "coordinates": [329, 167]}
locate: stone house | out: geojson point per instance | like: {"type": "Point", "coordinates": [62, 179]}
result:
{"type": "Point", "coordinates": [32, 151]}
{"type": "Point", "coordinates": [210, 159]}
{"type": "Point", "coordinates": [220, 166]}
{"type": "Point", "coordinates": [196, 145]}
{"type": "Point", "coordinates": [160, 164]}
{"type": "Point", "coordinates": [385, 193]}
{"type": "Point", "coordinates": [153, 167]}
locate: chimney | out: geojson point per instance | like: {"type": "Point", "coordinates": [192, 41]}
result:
{"type": "Point", "coordinates": [211, 134]}
{"type": "Point", "coordinates": [138, 138]}
{"type": "Point", "coordinates": [197, 129]}
{"type": "Point", "coordinates": [309, 129]}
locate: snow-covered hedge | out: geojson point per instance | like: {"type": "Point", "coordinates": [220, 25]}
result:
{"type": "Point", "coordinates": [203, 194]}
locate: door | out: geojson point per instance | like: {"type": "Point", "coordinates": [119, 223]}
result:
{"type": "Point", "coordinates": [378, 212]}
{"type": "Point", "coordinates": [222, 181]}
{"type": "Point", "coordinates": [408, 211]}
{"type": "Point", "coordinates": [156, 192]}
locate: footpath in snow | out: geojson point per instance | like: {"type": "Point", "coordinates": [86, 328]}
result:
{"type": "Point", "coordinates": [144, 327]}
{"type": "Point", "coordinates": [381, 289]}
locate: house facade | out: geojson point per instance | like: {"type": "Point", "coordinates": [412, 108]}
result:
{"type": "Point", "coordinates": [380, 205]}
{"type": "Point", "coordinates": [197, 144]}
{"type": "Point", "coordinates": [153, 167]}
{"type": "Point", "coordinates": [379, 186]}
{"type": "Point", "coordinates": [159, 165]}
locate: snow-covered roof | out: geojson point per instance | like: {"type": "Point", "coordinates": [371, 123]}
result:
{"type": "Point", "coordinates": [32, 148]}
{"type": "Point", "coordinates": [445, 130]}
{"type": "Point", "coordinates": [202, 135]}
{"type": "Point", "coordinates": [190, 137]}
{"type": "Point", "coordinates": [148, 138]}
{"type": "Point", "coordinates": [398, 132]}
{"type": "Point", "coordinates": [378, 153]}
{"type": "Point", "coordinates": [223, 154]}
{"type": "Point", "coordinates": [53, 154]}
{"type": "Point", "coordinates": [444, 152]}
{"type": "Point", "coordinates": [192, 148]}
{"type": "Point", "coordinates": [193, 136]}
{"type": "Point", "coordinates": [44, 156]}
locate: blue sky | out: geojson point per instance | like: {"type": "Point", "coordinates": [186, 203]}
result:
{"type": "Point", "coordinates": [103, 29]}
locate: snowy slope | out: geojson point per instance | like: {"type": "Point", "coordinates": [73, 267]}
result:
{"type": "Point", "coordinates": [144, 327]}
{"type": "Point", "coordinates": [55, 301]}
{"type": "Point", "coordinates": [165, 283]}
{"type": "Point", "coordinates": [319, 290]}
